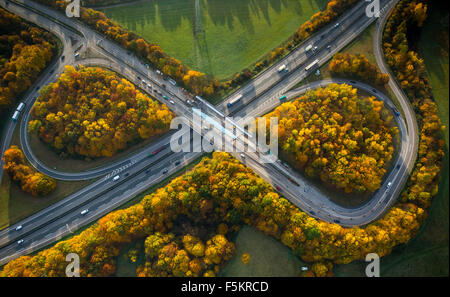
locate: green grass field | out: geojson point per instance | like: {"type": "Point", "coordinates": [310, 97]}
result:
{"type": "Point", "coordinates": [236, 32]}
{"type": "Point", "coordinates": [268, 257]}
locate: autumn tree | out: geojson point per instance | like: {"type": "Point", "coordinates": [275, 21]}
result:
{"type": "Point", "coordinates": [35, 183]}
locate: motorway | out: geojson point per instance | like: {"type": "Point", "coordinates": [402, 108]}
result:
{"type": "Point", "coordinates": [259, 96]}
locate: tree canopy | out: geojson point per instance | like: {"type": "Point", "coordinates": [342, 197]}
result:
{"type": "Point", "coordinates": [92, 112]}
{"type": "Point", "coordinates": [337, 136]}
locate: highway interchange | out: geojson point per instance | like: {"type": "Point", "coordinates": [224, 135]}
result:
{"type": "Point", "coordinates": [139, 172]}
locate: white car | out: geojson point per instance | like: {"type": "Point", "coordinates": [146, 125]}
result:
{"type": "Point", "coordinates": [19, 228]}
{"type": "Point", "coordinates": [115, 178]}
{"type": "Point", "coordinates": [83, 212]}
{"type": "Point", "coordinates": [304, 268]}
{"type": "Point", "coordinates": [242, 156]}
{"type": "Point", "coordinates": [172, 102]}
{"type": "Point", "coordinates": [20, 241]}
{"type": "Point", "coordinates": [144, 82]}
{"type": "Point", "coordinates": [388, 186]}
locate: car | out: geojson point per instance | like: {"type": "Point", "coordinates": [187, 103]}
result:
{"type": "Point", "coordinates": [84, 211]}
{"type": "Point", "coordinates": [147, 66]}
{"type": "Point", "coordinates": [148, 171]}
{"type": "Point", "coordinates": [398, 166]}
{"type": "Point", "coordinates": [172, 102]}
{"type": "Point", "coordinates": [242, 156]}
{"type": "Point", "coordinates": [315, 48]}
{"type": "Point", "coordinates": [20, 241]}
{"type": "Point", "coordinates": [188, 102]}
{"type": "Point", "coordinates": [165, 97]}
{"type": "Point", "coordinates": [177, 162]}
{"type": "Point", "coordinates": [304, 268]}
{"type": "Point", "coordinates": [375, 91]}
{"type": "Point", "coordinates": [389, 185]}
{"type": "Point", "coordinates": [144, 82]}
{"type": "Point", "coordinates": [139, 78]}
{"type": "Point", "coordinates": [313, 212]}
{"type": "Point", "coordinates": [337, 25]}
{"type": "Point", "coordinates": [115, 178]}
{"type": "Point", "coordinates": [62, 58]}
{"type": "Point", "coordinates": [19, 228]}
{"type": "Point", "coordinates": [329, 47]}
{"type": "Point", "coordinates": [336, 221]}
{"type": "Point", "coordinates": [149, 86]}
{"type": "Point", "coordinates": [127, 174]}
{"type": "Point", "coordinates": [277, 187]}
{"type": "Point", "coordinates": [353, 82]}
{"type": "Point", "coordinates": [165, 171]}
{"type": "Point", "coordinates": [158, 72]}
{"type": "Point", "coordinates": [163, 85]}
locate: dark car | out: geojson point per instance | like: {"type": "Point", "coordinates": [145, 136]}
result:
{"type": "Point", "coordinates": [127, 174]}
{"type": "Point", "coordinates": [165, 171]}
{"type": "Point", "coordinates": [398, 166]}
{"type": "Point", "coordinates": [148, 171]}
{"type": "Point", "coordinates": [62, 58]}
{"type": "Point", "coordinates": [336, 221]}
{"type": "Point", "coordinates": [177, 163]}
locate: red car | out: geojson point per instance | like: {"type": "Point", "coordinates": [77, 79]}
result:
{"type": "Point", "coordinates": [278, 188]}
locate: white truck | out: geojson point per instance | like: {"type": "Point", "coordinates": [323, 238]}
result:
{"type": "Point", "coordinates": [283, 68]}
{"type": "Point", "coordinates": [15, 116]}
{"type": "Point", "coordinates": [20, 107]}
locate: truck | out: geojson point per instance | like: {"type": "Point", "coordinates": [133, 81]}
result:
{"type": "Point", "coordinates": [283, 68]}
{"type": "Point", "coordinates": [312, 65]}
{"type": "Point", "coordinates": [20, 107]}
{"type": "Point", "coordinates": [15, 116]}
{"type": "Point", "coordinates": [174, 83]}
{"type": "Point", "coordinates": [308, 48]}
{"type": "Point", "coordinates": [156, 151]}
{"type": "Point", "coordinates": [234, 101]}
